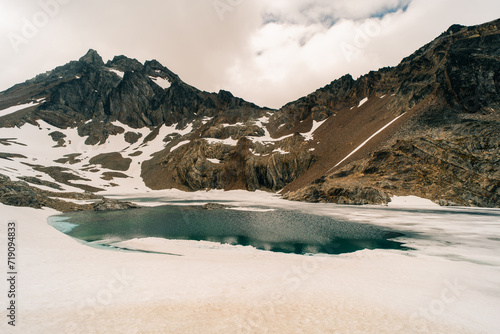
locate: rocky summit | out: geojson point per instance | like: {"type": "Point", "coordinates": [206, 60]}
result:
{"type": "Point", "coordinates": [426, 127]}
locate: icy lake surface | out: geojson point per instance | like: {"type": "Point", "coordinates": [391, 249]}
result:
{"type": "Point", "coordinates": [446, 280]}
{"type": "Point", "coordinates": [271, 229]}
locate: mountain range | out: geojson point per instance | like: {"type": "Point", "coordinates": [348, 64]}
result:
{"type": "Point", "coordinates": [427, 127]}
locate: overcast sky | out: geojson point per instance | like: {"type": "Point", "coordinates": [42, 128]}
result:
{"type": "Point", "coordinates": [266, 51]}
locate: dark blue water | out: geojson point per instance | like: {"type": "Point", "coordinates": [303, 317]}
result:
{"type": "Point", "coordinates": [278, 230]}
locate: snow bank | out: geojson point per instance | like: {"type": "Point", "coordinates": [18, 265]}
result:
{"type": "Point", "coordinates": [448, 284]}
{"type": "Point", "coordinates": [36, 143]}
{"type": "Point", "coordinates": [366, 141]}
{"type": "Point", "coordinates": [250, 209]}
{"type": "Point", "coordinates": [182, 143]}
{"type": "Point", "coordinates": [13, 109]}
{"type": "Point", "coordinates": [117, 72]}
{"type": "Point", "coordinates": [363, 101]}
{"type": "Point", "coordinates": [411, 201]}
{"type": "Point", "coordinates": [163, 83]}
{"type": "Point", "coordinates": [316, 125]}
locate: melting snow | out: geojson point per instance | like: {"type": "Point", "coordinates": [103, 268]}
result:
{"type": "Point", "coordinates": [316, 125]}
{"type": "Point", "coordinates": [118, 73]}
{"type": "Point", "coordinates": [163, 83]}
{"type": "Point", "coordinates": [182, 143]}
{"type": "Point", "coordinates": [366, 141]}
{"type": "Point", "coordinates": [205, 119]}
{"type": "Point", "coordinates": [13, 109]}
{"type": "Point", "coordinates": [214, 161]}
{"type": "Point", "coordinates": [446, 284]}
{"type": "Point", "coordinates": [411, 201]}
{"type": "Point", "coordinates": [235, 124]}
{"type": "Point", "coordinates": [280, 151]}
{"type": "Point", "coordinates": [40, 147]}
{"type": "Point", "coordinates": [228, 141]}
{"type": "Point", "coordinates": [363, 101]}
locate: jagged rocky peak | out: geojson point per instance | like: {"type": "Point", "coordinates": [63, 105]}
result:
{"type": "Point", "coordinates": [156, 69]}
{"type": "Point", "coordinates": [454, 29]}
{"type": "Point", "coordinates": [92, 57]}
{"type": "Point", "coordinates": [124, 64]}
{"type": "Point", "coordinates": [124, 90]}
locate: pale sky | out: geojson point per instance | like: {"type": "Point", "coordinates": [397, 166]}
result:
{"type": "Point", "coordinates": [269, 52]}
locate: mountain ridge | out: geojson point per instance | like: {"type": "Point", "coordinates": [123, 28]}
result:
{"type": "Point", "coordinates": [397, 131]}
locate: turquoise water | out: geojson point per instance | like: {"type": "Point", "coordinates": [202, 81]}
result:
{"type": "Point", "coordinates": [276, 230]}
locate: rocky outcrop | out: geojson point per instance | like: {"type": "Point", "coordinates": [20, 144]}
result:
{"type": "Point", "coordinates": [107, 204]}
{"type": "Point", "coordinates": [214, 206]}
{"type": "Point", "coordinates": [334, 193]}
{"type": "Point", "coordinates": [113, 161]}
{"type": "Point", "coordinates": [132, 137]}
{"type": "Point", "coordinates": [37, 181]}
{"type": "Point", "coordinates": [97, 132]}
{"type": "Point", "coordinates": [65, 176]}
{"type": "Point", "coordinates": [18, 193]}
{"type": "Point", "coordinates": [246, 165]}
{"type": "Point", "coordinates": [58, 137]}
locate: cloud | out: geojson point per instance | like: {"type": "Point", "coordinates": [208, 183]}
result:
{"type": "Point", "coordinates": [327, 12]}
{"type": "Point", "coordinates": [296, 52]}
{"type": "Point", "coordinates": [267, 52]}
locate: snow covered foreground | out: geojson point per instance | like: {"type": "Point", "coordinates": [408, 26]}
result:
{"type": "Point", "coordinates": [449, 284]}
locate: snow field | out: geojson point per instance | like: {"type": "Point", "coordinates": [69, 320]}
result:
{"type": "Point", "coordinates": [70, 287]}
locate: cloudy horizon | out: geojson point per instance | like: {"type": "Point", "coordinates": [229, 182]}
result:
{"type": "Point", "coordinates": [266, 52]}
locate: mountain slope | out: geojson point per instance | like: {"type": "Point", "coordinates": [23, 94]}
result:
{"type": "Point", "coordinates": [427, 127]}
{"type": "Point", "coordinates": [445, 145]}
{"type": "Point", "coordinates": [92, 126]}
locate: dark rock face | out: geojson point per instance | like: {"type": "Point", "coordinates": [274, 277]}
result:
{"type": "Point", "coordinates": [71, 158]}
{"type": "Point", "coordinates": [98, 132]}
{"type": "Point", "coordinates": [65, 176]}
{"type": "Point", "coordinates": [113, 161]}
{"type": "Point", "coordinates": [58, 137]}
{"type": "Point", "coordinates": [88, 89]}
{"type": "Point", "coordinates": [236, 167]}
{"type": "Point", "coordinates": [132, 137]}
{"type": "Point", "coordinates": [111, 175]}
{"type": "Point", "coordinates": [92, 58]}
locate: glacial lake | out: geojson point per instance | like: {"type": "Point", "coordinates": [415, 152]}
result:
{"type": "Point", "coordinates": [277, 230]}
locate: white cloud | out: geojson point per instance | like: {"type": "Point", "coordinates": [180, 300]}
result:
{"type": "Point", "coordinates": [267, 52]}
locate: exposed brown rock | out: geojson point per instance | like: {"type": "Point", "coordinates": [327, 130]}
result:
{"type": "Point", "coordinates": [132, 137]}
{"type": "Point", "coordinates": [113, 161]}
{"type": "Point", "coordinates": [111, 175]}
